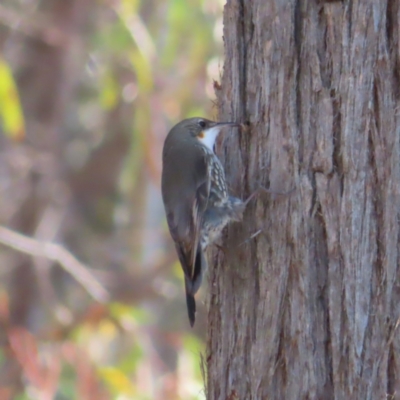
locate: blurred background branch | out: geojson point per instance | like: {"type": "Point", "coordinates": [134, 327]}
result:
{"type": "Point", "coordinates": [57, 253]}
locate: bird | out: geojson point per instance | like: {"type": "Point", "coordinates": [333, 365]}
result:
{"type": "Point", "coordinates": [195, 196]}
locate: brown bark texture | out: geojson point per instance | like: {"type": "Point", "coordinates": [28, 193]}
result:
{"type": "Point", "coordinates": [304, 301]}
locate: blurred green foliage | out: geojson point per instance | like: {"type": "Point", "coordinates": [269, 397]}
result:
{"type": "Point", "coordinates": [110, 78]}
{"type": "Point", "coordinates": [10, 108]}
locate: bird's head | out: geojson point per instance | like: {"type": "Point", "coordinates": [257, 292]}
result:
{"type": "Point", "coordinates": [203, 130]}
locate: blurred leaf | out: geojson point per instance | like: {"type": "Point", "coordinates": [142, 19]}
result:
{"type": "Point", "coordinates": [129, 7]}
{"type": "Point", "coordinates": [122, 311]}
{"type": "Point", "coordinates": [142, 69]}
{"type": "Point", "coordinates": [117, 381]}
{"type": "Point", "coordinates": [107, 329]}
{"type": "Point", "coordinates": [134, 162]}
{"type": "Point", "coordinates": [67, 387]}
{"type": "Point", "coordinates": [189, 366]}
{"type": "Point", "coordinates": [109, 91]}
{"type": "Point", "coordinates": [10, 107]}
{"type": "Point", "coordinates": [195, 112]}
{"type": "Point", "coordinates": [189, 32]}
{"type": "Point", "coordinates": [23, 396]}
{"type": "Point", "coordinates": [177, 270]}
{"type": "Point", "coordinates": [130, 362]}
{"type": "Point", "coordinates": [193, 345]}
{"type": "Point", "coordinates": [119, 310]}
{"type": "Point", "coordinates": [113, 39]}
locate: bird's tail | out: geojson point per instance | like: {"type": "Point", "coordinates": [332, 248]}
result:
{"type": "Point", "coordinates": [192, 285]}
{"type": "Point", "coordinates": [190, 302]}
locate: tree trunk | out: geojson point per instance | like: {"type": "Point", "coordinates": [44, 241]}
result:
{"type": "Point", "coordinates": [305, 299]}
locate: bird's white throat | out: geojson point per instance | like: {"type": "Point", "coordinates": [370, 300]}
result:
{"type": "Point", "coordinates": [209, 137]}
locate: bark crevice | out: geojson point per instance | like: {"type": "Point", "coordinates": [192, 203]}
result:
{"type": "Point", "coordinates": [305, 302]}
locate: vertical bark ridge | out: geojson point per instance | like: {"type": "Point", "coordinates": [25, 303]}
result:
{"type": "Point", "coordinates": [307, 308]}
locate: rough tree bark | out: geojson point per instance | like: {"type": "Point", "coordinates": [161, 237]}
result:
{"type": "Point", "coordinates": [305, 301]}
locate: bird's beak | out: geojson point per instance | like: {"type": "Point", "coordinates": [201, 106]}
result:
{"type": "Point", "coordinates": [224, 124]}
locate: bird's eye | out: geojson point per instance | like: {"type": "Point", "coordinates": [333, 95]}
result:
{"type": "Point", "coordinates": [202, 123]}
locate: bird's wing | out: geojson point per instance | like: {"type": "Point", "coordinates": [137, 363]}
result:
{"type": "Point", "coordinates": [185, 224]}
{"type": "Point", "coordinates": [199, 206]}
